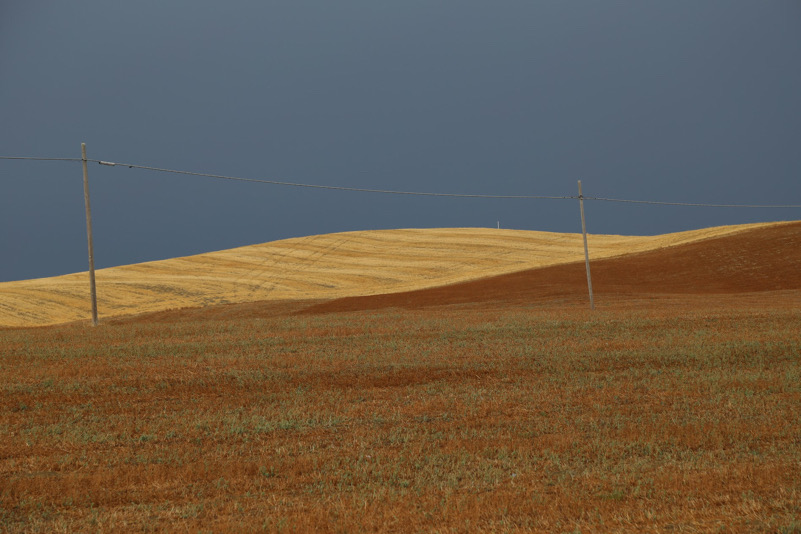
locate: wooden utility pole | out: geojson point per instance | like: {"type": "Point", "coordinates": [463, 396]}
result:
{"type": "Point", "coordinates": [92, 287]}
{"type": "Point", "coordinates": [586, 250]}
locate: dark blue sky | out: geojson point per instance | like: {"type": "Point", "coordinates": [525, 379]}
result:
{"type": "Point", "coordinates": [673, 101]}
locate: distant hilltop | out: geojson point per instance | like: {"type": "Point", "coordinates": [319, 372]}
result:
{"type": "Point", "coordinates": [381, 262]}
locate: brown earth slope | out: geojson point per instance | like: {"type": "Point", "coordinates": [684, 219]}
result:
{"type": "Point", "coordinates": [759, 260]}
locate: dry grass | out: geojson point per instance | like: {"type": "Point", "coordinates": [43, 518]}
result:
{"type": "Point", "coordinates": [316, 267]}
{"type": "Point", "coordinates": [650, 415]}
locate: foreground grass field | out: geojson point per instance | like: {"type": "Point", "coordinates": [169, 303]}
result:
{"type": "Point", "coordinates": [651, 414]}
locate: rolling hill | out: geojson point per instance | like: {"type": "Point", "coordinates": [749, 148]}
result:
{"type": "Point", "coordinates": [764, 259]}
{"type": "Point", "coordinates": [419, 266]}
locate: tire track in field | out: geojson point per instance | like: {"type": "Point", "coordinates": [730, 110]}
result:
{"type": "Point", "coordinates": [299, 264]}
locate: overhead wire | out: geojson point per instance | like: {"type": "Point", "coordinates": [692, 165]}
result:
{"type": "Point", "coordinates": [331, 187]}
{"type": "Point", "coordinates": [457, 195]}
{"type": "Point", "coordinates": [40, 159]}
{"type": "Point", "coordinates": [694, 204]}
{"type": "Point", "coordinates": [407, 193]}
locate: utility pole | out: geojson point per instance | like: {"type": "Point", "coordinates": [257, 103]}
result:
{"type": "Point", "coordinates": [586, 250]}
{"type": "Point", "coordinates": [92, 287]}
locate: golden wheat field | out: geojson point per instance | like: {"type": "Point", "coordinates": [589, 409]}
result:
{"type": "Point", "coordinates": [318, 267]}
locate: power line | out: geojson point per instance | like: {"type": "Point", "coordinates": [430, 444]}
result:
{"type": "Point", "coordinates": [407, 193]}
{"type": "Point", "coordinates": [41, 159]}
{"type": "Point", "coordinates": [458, 195]}
{"type": "Point", "coordinates": [694, 204]}
{"type": "Point", "coordinates": [332, 187]}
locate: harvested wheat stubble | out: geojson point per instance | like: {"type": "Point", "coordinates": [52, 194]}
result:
{"type": "Point", "coordinates": [319, 267]}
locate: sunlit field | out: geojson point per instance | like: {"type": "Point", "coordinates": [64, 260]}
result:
{"type": "Point", "coordinates": [319, 267]}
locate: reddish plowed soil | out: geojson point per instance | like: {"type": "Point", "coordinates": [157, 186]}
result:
{"type": "Point", "coordinates": [766, 259]}
{"type": "Point", "coordinates": [221, 312]}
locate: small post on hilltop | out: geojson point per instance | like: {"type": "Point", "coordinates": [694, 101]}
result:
{"type": "Point", "coordinates": [586, 250]}
{"type": "Point", "coordinates": [92, 287]}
